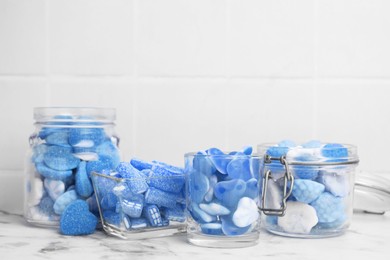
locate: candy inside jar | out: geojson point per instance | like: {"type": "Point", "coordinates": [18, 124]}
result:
{"type": "Point", "coordinates": [307, 189]}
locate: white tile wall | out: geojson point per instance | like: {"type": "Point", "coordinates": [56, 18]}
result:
{"type": "Point", "coordinates": [187, 75]}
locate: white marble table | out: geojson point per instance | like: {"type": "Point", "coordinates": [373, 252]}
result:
{"type": "Point", "coordinates": [368, 238]}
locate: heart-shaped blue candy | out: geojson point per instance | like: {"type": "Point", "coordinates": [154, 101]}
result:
{"type": "Point", "coordinates": [77, 220]}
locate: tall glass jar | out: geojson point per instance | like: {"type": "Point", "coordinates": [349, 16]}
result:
{"type": "Point", "coordinates": [68, 144]}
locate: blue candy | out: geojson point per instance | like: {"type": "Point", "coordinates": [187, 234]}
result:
{"type": "Point", "coordinates": [58, 138]}
{"type": "Point", "coordinates": [135, 180]}
{"type": "Point", "coordinates": [160, 198]}
{"type": "Point", "coordinates": [83, 183]}
{"type": "Point", "coordinates": [104, 163]}
{"type": "Point", "coordinates": [63, 201]}
{"type": "Point", "coordinates": [137, 223]}
{"type": "Point", "coordinates": [203, 164]}
{"type": "Point", "coordinates": [127, 222]}
{"type": "Point", "coordinates": [199, 215]}
{"type": "Point", "coordinates": [52, 174]}
{"type": "Point", "coordinates": [238, 168]}
{"type": "Point", "coordinates": [229, 229]}
{"type": "Point", "coordinates": [46, 206]}
{"type": "Point", "coordinates": [230, 192]}
{"type": "Point", "coordinates": [247, 150]}
{"type": "Point", "coordinates": [328, 207]}
{"type": "Point", "coordinates": [77, 220]}
{"type": "Point", "coordinates": [281, 149]}
{"type": "Point", "coordinates": [166, 179]}
{"type": "Point", "coordinates": [198, 186]}
{"type": "Point", "coordinates": [175, 214]}
{"type": "Point", "coordinates": [306, 190]}
{"type": "Point", "coordinates": [211, 228]}
{"type": "Point", "coordinates": [38, 153]}
{"type": "Point", "coordinates": [108, 150]}
{"type": "Point", "coordinates": [214, 209]}
{"type": "Point", "coordinates": [213, 179]}
{"type": "Point", "coordinates": [219, 159]}
{"type": "Point", "coordinates": [133, 206]}
{"type": "Point", "coordinates": [152, 214]}
{"type": "Point", "coordinates": [54, 188]}
{"type": "Point", "coordinates": [140, 164]}
{"type": "Point", "coordinates": [252, 189]}
{"type": "Point", "coordinates": [86, 137]}
{"type": "Point", "coordinates": [93, 205]}
{"type": "Point", "coordinates": [109, 201]}
{"type": "Point", "coordinates": [336, 151]}
{"type": "Point", "coordinates": [111, 217]}
{"type": "Point", "coordinates": [85, 154]}
{"type": "Point", "coordinates": [60, 158]}
{"type": "Point", "coordinates": [305, 172]}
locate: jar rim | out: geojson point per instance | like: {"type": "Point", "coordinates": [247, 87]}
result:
{"type": "Point", "coordinates": [72, 114]}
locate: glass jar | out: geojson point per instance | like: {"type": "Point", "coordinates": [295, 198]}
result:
{"type": "Point", "coordinates": [222, 199]}
{"type": "Point", "coordinates": [66, 146]}
{"type": "Point", "coordinates": [307, 191]}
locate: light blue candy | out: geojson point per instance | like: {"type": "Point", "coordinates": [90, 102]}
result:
{"type": "Point", "coordinates": [86, 137]}
{"type": "Point", "coordinates": [199, 215]}
{"type": "Point", "coordinates": [306, 190]}
{"type": "Point", "coordinates": [211, 229]}
{"type": "Point", "coordinates": [60, 158]}
{"type": "Point", "coordinates": [238, 168]}
{"type": "Point", "coordinates": [140, 164]}
{"type": "Point", "coordinates": [247, 150]}
{"type": "Point", "coordinates": [166, 178]}
{"type": "Point", "coordinates": [214, 209]}
{"type": "Point", "coordinates": [46, 206]}
{"type": "Point", "coordinates": [137, 223]}
{"type": "Point", "coordinates": [229, 229]}
{"type": "Point", "coordinates": [135, 180]}
{"type": "Point", "coordinates": [113, 218]}
{"type": "Point", "coordinates": [109, 201]}
{"type": "Point", "coordinates": [85, 154]}
{"type": "Point", "coordinates": [213, 180]}
{"type": "Point", "coordinates": [175, 214]}
{"type": "Point", "coordinates": [83, 183]}
{"type": "Point", "coordinates": [335, 152]}
{"type": "Point", "coordinates": [305, 172]}
{"type": "Point", "coordinates": [252, 189]}
{"type": "Point", "coordinates": [230, 192]}
{"type": "Point", "coordinates": [38, 153]}
{"type": "Point", "coordinates": [329, 208]}
{"type": "Point", "coordinates": [160, 198]}
{"type": "Point", "coordinates": [108, 150]}
{"type": "Point", "coordinates": [63, 201]}
{"type": "Point", "coordinates": [58, 138]}
{"type": "Point", "coordinates": [54, 188]}
{"type": "Point", "coordinates": [152, 214]}
{"type": "Point", "coordinates": [203, 164]}
{"type": "Point", "coordinates": [219, 159]}
{"type": "Point", "coordinates": [312, 144]}
{"type": "Point", "coordinates": [198, 186]}
{"type": "Point", "coordinates": [102, 164]}
{"type": "Point", "coordinates": [77, 220]}
{"type": "Point", "coordinates": [51, 173]}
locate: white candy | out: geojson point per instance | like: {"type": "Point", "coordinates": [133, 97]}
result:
{"type": "Point", "coordinates": [36, 192]}
{"type": "Point", "coordinates": [304, 154]}
{"type": "Point", "coordinates": [246, 212]}
{"type": "Point", "coordinates": [87, 156]}
{"type": "Point", "coordinates": [210, 193]}
{"type": "Point", "coordinates": [214, 209]}
{"type": "Point", "coordinates": [336, 183]}
{"type": "Point", "coordinates": [300, 218]}
{"type": "Point", "coordinates": [54, 188]}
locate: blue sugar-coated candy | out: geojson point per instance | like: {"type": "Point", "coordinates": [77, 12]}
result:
{"type": "Point", "coordinates": [93, 205]}
{"type": "Point", "coordinates": [86, 137]}
{"type": "Point", "coordinates": [60, 158]}
{"type": "Point", "coordinates": [111, 217]}
{"type": "Point", "coordinates": [152, 214]}
{"type": "Point", "coordinates": [238, 168]}
{"type": "Point", "coordinates": [51, 173]}
{"type": "Point", "coordinates": [230, 192]}
{"type": "Point", "coordinates": [252, 189]}
{"type": "Point", "coordinates": [229, 229]}
{"type": "Point", "coordinates": [276, 151]}
{"type": "Point", "coordinates": [83, 183]}
{"type": "Point", "coordinates": [46, 206]}
{"type": "Point", "coordinates": [164, 222]}
{"type": "Point", "coordinates": [102, 184]}
{"type": "Point", "coordinates": [58, 138]}
{"type": "Point", "coordinates": [170, 168]}
{"type": "Point", "coordinates": [175, 214]}
{"type": "Point", "coordinates": [63, 201]}
{"type": "Point", "coordinates": [213, 179]}
{"type": "Point", "coordinates": [109, 150]}
{"type": "Point", "coordinates": [133, 207]}
{"type": "Point", "coordinates": [219, 159]}
{"type": "Point", "coordinates": [328, 207]}
{"type": "Point", "coordinates": [199, 215]}
{"type": "Point", "coordinates": [305, 172]}
{"type": "Point", "coordinates": [140, 164]}
{"type": "Point", "coordinates": [137, 223]}
{"type": "Point", "coordinates": [77, 220]}
{"type": "Point", "coordinates": [54, 188]}
{"type": "Point", "coordinates": [103, 163]}
{"type": "Point", "coordinates": [198, 186]}
{"type": "Point", "coordinates": [160, 198]}
{"type": "Point", "coordinates": [336, 151]}
{"type": "Point", "coordinates": [170, 179]}
{"type": "Point", "coordinates": [312, 144]}
{"type": "Point", "coordinates": [203, 164]}
{"type": "Point", "coordinates": [338, 223]}
{"type": "Point", "coordinates": [134, 178]}
{"type": "Point", "coordinates": [247, 150]}
{"type": "Point", "coordinates": [211, 229]}
{"type": "Point", "coordinates": [306, 190]}
{"type": "Point", "coordinates": [109, 201]}
{"type": "Point", "coordinates": [214, 209]}
{"type": "Point", "coordinates": [38, 153]}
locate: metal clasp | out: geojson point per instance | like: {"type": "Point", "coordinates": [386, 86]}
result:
{"type": "Point", "coordinates": [287, 187]}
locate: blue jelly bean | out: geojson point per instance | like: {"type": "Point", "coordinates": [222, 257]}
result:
{"type": "Point", "coordinates": [109, 201]}
{"type": "Point", "coordinates": [83, 183]}
{"type": "Point", "coordinates": [152, 214]}
{"type": "Point", "coordinates": [230, 192]}
{"type": "Point", "coordinates": [203, 164]}
{"type": "Point", "coordinates": [60, 158]}
{"type": "Point", "coordinates": [238, 168]}
{"type": "Point", "coordinates": [63, 201]}
{"type": "Point", "coordinates": [306, 190]}
{"type": "Point", "coordinates": [140, 164]}
{"type": "Point", "coordinates": [166, 178]}
{"type": "Point", "coordinates": [211, 229]}
{"type": "Point", "coordinates": [51, 173]}
{"type": "Point", "coordinates": [219, 159]}
{"type": "Point", "coordinates": [113, 218]}
{"type": "Point", "coordinates": [134, 178]}
{"type": "Point", "coordinates": [58, 138]}
{"type": "Point", "coordinates": [198, 186]}
{"type": "Point", "coordinates": [86, 137]}
{"type": "Point", "coordinates": [160, 198]}
{"type": "Point", "coordinates": [252, 189]}
{"type": "Point", "coordinates": [229, 229]}
{"type": "Point", "coordinates": [77, 220]}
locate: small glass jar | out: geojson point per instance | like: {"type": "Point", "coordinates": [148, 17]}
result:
{"type": "Point", "coordinates": [222, 191]}
{"type": "Point", "coordinates": [66, 146]}
{"type": "Point", "coordinates": [307, 191]}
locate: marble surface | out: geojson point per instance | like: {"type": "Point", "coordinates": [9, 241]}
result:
{"type": "Point", "coordinates": [367, 238]}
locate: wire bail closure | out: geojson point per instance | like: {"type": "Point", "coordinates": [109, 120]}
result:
{"type": "Point", "coordinates": [287, 187]}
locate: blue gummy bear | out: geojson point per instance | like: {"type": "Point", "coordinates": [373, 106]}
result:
{"type": "Point", "coordinates": [219, 159]}
{"type": "Point", "coordinates": [83, 183]}
{"type": "Point", "coordinates": [230, 192]}
{"type": "Point", "coordinates": [152, 214]}
{"type": "Point", "coordinates": [305, 172]}
{"type": "Point", "coordinates": [175, 214]}
{"type": "Point", "coordinates": [137, 223]}
{"type": "Point", "coordinates": [134, 178]}
{"type": "Point", "coordinates": [166, 178]}
{"type": "Point", "coordinates": [211, 229]}
{"type": "Point", "coordinates": [77, 220]}
{"type": "Point", "coordinates": [63, 201]}
{"type": "Point", "coordinates": [111, 217]}
{"type": "Point", "coordinates": [103, 163]}
{"type": "Point", "coordinates": [229, 229]}
{"type": "Point", "coordinates": [86, 137]}
{"type": "Point", "coordinates": [60, 158]}
{"type": "Point", "coordinates": [238, 168]}
{"type": "Point", "coordinates": [198, 186]}
{"type": "Point", "coordinates": [306, 190]}
{"type": "Point", "coordinates": [252, 189]}
{"type": "Point", "coordinates": [336, 151]}
{"type": "Point", "coordinates": [52, 174]}
{"type": "Point", "coordinates": [312, 144]}
{"type": "Point", "coordinates": [140, 164]}
{"type": "Point", "coordinates": [203, 164]}
{"type": "Point", "coordinates": [328, 207]}
{"type": "Point", "coordinates": [58, 138]}
{"type": "Point", "coordinates": [160, 198]}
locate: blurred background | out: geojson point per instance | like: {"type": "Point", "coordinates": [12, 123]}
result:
{"type": "Point", "coordinates": [186, 75]}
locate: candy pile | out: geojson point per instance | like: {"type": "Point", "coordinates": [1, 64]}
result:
{"type": "Point", "coordinates": [141, 195]}
{"type": "Point", "coordinates": [321, 194]}
{"type": "Point", "coordinates": [223, 191]}
{"type": "Point", "coordinates": [63, 159]}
